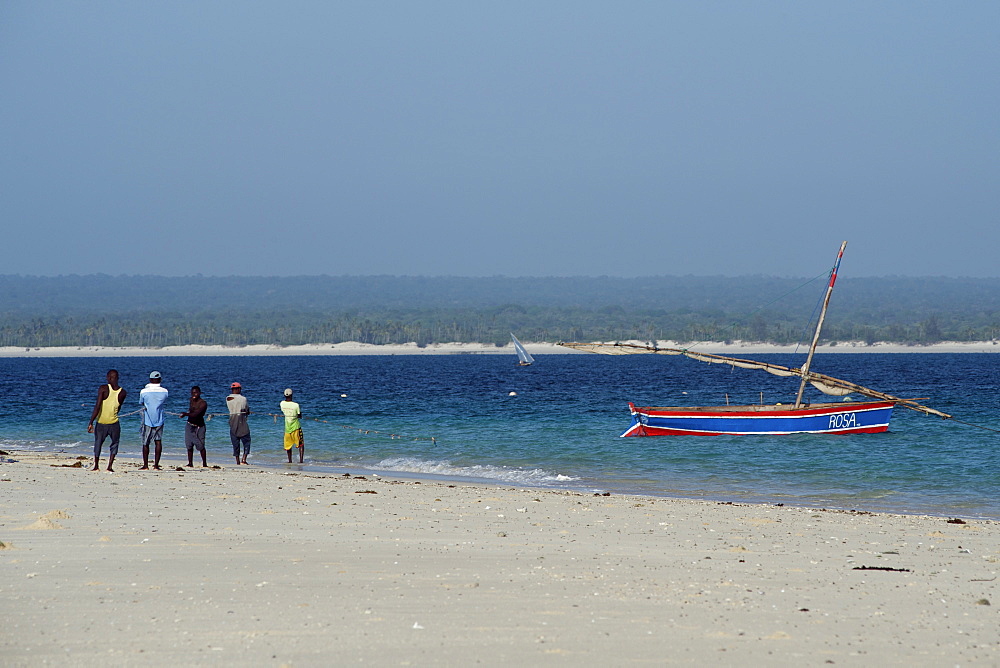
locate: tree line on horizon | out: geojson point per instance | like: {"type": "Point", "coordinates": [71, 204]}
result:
{"type": "Point", "coordinates": [156, 312]}
{"type": "Point", "coordinates": [429, 326]}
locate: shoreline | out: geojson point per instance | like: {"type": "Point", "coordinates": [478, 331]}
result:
{"type": "Point", "coordinates": [353, 348]}
{"type": "Point", "coordinates": [241, 565]}
{"type": "Point", "coordinates": [172, 458]}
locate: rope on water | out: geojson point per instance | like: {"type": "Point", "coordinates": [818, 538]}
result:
{"type": "Point", "coordinates": [275, 416]}
{"type": "Point", "coordinates": [977, 426]}
{"type": "Point", "coordinates": [360, 430]}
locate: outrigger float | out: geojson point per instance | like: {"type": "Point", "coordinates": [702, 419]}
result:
{"type": "Point", "coordinates": [845, 417]}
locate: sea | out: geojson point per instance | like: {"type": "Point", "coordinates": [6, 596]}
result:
{"type": "Point", "coordinates": [555, 424]}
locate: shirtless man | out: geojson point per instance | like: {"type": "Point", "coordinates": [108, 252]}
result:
{"type": "Point", "coordinates": [194, 430]}
{"type": "Point", "coordinates": [110, 398]}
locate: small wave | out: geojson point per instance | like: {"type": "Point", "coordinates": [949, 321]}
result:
{"type": "Point", "coordinates": [40, 445]}
{"type": "Point", "coordinates": [512, 475]}
{"type": "Point", "coordinates": [862, 495]}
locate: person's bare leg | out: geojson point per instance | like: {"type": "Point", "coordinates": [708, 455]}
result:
{"type": "Point", "coordinates": [302, 452]}
{"type": "Point", "coordinates": [156, 454]}
{"type": "Point", "coordinates": [204, 460]}
{"type": "Point", "coordinates": [110, 462]}
{"type": "Point", "coordinates": [97, 449]}
{"type": "Point", "coordinates": [145, 458]}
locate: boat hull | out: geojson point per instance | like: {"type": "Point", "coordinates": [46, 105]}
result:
{"type": "Point", "coordinates": [832, 418]}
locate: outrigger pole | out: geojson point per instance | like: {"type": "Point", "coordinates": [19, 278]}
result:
{"type": "Point", "coordinates": [819, 326]}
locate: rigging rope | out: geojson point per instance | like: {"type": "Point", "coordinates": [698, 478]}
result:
{"type": "Point", "coordinates": [732, 326]}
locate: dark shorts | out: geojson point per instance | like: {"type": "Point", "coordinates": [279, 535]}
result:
{"type": "Point", "coordinates": [101, 432]}
{"type": "Point", "coordinates": [245, 440]}
{"type": "Point", "coordinates": [194, 437]}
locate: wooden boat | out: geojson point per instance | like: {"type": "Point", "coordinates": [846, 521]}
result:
{"type": "Point", "coordinates": [854, 417]}
{"type": "Point", "coordinates": [845, 417]}
{"type": "Point", "coordinates": [524, 358]}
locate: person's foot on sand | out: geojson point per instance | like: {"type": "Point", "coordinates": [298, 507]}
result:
{"type": "Point", "coordinates": [110, 470]}
{"type": "Point", "coordinates": [96, 468]}
{"type": "Point", "coordinates": [144, 468]}
{"type": "Point", "coordinates": [156, 466]}
{"type": "Point", "coordinates": [244, 462]}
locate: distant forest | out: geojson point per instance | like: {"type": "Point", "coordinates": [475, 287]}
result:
{"type": "Point", "coordinates": [152, 311]}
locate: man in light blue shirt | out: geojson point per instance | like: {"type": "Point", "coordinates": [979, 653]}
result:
{"type": "Point", "coordinates": [151, 399]}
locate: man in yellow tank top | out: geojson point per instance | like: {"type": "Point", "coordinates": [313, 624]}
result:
{"type": "Point", "coordinates": [110, 398]}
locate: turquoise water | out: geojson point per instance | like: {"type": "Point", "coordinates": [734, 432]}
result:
{"type": "Point", "coordinates": [453, 416]}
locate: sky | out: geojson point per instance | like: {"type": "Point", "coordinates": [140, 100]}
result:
{"type": "Point", "coordinates": [562, 138]}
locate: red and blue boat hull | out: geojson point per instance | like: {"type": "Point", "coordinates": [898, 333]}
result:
{"type": "Point", "coordinates": [829, 418]}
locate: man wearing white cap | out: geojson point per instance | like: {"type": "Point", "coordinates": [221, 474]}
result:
{"type": "Point", "coordinates": [151, 399]}
{"type": "Point", "coordinates": [293, 426]}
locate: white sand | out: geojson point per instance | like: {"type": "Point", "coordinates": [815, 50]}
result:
{"type": "Point", "coordinates": [736, 348]}
{"type": "Point", "coordinates": [244, 566]}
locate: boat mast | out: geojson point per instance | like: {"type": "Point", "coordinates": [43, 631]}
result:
{"type": "Point", "coordinates": [819, 326]}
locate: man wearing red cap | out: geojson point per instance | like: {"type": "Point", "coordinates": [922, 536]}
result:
{"type": "Point", "coordinates": [239, 430]}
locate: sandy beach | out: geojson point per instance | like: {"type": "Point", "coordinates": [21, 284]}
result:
{"type": "Point", "coordinates": [736, 348]}
{"type": "Point", "coordinates": [251, 566]}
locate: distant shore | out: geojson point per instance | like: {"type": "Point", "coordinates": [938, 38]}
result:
{"type": "Point", "coordinates": [736, 348]}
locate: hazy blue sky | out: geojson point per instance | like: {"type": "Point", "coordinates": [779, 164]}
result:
{"type": "Point", "coordinates": [499, 138]}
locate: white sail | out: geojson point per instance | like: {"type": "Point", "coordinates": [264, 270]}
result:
{"type": "Point", "coordinates": [523, 356]}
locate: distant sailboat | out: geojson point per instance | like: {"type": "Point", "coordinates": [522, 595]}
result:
{"type": "Point", "coordinates": [523, 357]}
